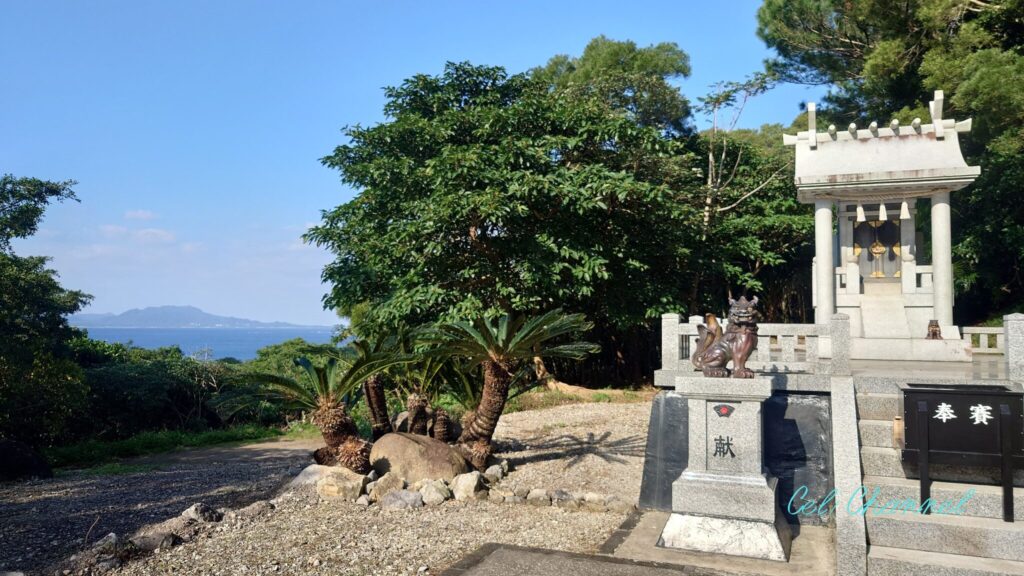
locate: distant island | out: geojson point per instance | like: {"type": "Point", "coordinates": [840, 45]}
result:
{"type": "Point", "coordinates": [171, 317]}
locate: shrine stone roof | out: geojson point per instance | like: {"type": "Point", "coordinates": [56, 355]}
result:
{"type": "Point", "coordinates": [881, 162]}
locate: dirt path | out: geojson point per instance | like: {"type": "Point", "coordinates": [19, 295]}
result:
{"type": "Point", "coordinates": [43, 522]}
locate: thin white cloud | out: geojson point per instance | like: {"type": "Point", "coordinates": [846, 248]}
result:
{"type": "Point", "coordinates": [191, 247]}
{"type": "Point", "coordinates": [112, 231]}
{"type": "Point", "coordinates": [153, 236]}
{"type": "Point", "coordinates": [139, 215]}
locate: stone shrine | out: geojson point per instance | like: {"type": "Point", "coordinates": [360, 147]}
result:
{"type": "Point", "coordinates": [871, 269]}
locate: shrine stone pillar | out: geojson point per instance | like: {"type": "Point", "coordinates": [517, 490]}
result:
{"type": "Point", "coordinates": [724, 502]}
{"type": "Point", "coordinates": [824, 268]}
{"type": "Point", "coordinates": [942, 259]}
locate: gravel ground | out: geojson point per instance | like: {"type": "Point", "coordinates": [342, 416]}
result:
{"type": "Point", "coordinates": [332, 537]}
{"type": "Point", "coordinates": [43, 522]}
{"type": "Point", "coordinates": [579, 448]}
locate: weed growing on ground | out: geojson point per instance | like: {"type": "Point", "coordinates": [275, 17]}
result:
{"type": "Point", "coordinates": [95, 452]}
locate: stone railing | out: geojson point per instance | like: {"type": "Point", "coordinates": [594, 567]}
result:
{"type": "Point", "coordinates": [793, 348]}
{"type": "Point", "coordinates": [982, 340]}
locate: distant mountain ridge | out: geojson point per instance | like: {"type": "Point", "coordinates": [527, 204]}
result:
{"type": "Point", "coordinates": [171, 317]}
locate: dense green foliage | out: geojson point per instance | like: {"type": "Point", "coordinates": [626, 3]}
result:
{"type": "Point", "coordinates": [40, 385]}
{"type": "Point", "coordinates": [487, 193]}
{"type": "Point", "coordinates": [884, 58]}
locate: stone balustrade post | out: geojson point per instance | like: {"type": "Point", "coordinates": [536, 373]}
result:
{"type": "Point", "coordinates": [1013, 324]}
{"type": "Point", "coordinates": [839, 334]}
{"type": "Point", "coordinates": [669, 341]}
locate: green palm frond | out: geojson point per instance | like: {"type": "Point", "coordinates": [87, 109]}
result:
{"type": "Point", "coordinates": [508, 338]}
{"type": "Point", "coordinates": [338, 381]}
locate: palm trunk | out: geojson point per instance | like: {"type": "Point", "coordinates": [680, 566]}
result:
{"type": "Point", "coordinates": [354, 454]}
{"type": "Point", "coordinates": [476, 438]}
{"type": "Point", "coordinates": [335, 424]}
{"type": "Point", "coordinates": [417, 407]}
{"type": "Point", "coordinates": [376, 401]}
{"type": "Point", "coordinates": [442, 425]}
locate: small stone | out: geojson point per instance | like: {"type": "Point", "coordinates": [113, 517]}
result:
{"type": "Point", "coordinates": [387, 483]}
{"type": "Point", "coordinates": [108, 543]}
{"type": "Point", "coordinates": [538, 497]}
{"type": "Point", "coordinates": [503, 492]}
{"type": "Point", "coordinates": [363, 500]}
{"type": "Point", "coordinates": [106, 565]}
{"type": "Point", "coordinates": [564, 500]}
{"type": "Point", "coordinates": [254, 510]}
{"type": "Point", "coordinates": [401, 500]}
{"type": "Point", "coordinates": [515, 500]}
{"type": "Point", "coordinates": [594, 502]}
{"type": "Point", "coordinates": [466, 486]}
{"type": "Point", "coordinates": [372, 476]}
{"type": "Point", "coordinates": [434, 492]}
{"type": "Point", "coordinates": [522, 492]}
{"type": "Point", "coordinates": [341, 483]}
{"type": "Point", "coordinates": [616, 504]}
{"type": "Point", "coordinates": [505, 467]}
{"type": "Point", "coordinates": [203, 513]}
{"type": "Point", "coordinates": [154, 541]}
{"type": "Point", "coordinates": [494, 474]}
{"type": "Point", "coordinates": [495, 498]}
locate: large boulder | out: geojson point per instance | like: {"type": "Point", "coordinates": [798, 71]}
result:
{"type": "Point", "coordinates": [21, 461]}
{"type": "Point", "coordinates": [416, 458]}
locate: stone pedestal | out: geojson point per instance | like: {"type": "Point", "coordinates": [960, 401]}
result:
{"type": "Point", "coordinates": [724, 502]}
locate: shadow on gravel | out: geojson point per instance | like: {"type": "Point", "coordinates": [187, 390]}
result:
{"type": "Point", "coordinates": [573, 448]}
{"type": "Point", "coordinates": [45, 521]}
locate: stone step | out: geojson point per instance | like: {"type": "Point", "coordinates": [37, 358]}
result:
{"type": "Point", "coordinates": [964, 535]}
{"type": "Point", "coordinates": [875, 406]}
{"type": "Point", "coordinates": [870, 384]}
{"type": "Point", "coordinates": [875, 433]}
{"type": "Point", "coordinates": [985, 502]}
{"type": "Point", "coordinates": [878, 461]}
{"type": "Point", "coordinates": [885, 561]}
{"type": "Point", "coordinates": [884, 315]}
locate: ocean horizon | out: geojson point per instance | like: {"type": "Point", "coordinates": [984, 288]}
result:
{"type": "Point", "coordinates": [240, 343]}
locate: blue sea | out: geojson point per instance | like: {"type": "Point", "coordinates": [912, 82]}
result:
{"type": "Point", "coordinates": [240, 343]}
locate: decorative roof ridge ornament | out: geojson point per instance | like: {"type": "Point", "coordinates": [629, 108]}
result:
{"type": "Point", "coordinates": [938, 127]}
{"type": "Point", "coordinates": [882, 161]}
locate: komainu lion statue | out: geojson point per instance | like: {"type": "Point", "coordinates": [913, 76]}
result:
{"type": "Point", "coordinates": [716, 348]}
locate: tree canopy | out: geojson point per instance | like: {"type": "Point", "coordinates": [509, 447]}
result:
{"type": "Point", "coordinates": [40, 385]}
{"type": "Point", "coordinates": [487, 193]}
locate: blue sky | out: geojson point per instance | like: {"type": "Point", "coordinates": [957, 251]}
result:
{"type": "Point", "coordinates": [194, 128]}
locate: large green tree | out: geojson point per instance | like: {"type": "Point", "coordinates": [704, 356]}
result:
{"type": "Point", "coordinates": [40, 385]}
{"type": "Point", "coordinates": [486, 193]}
{"type": "Point", "coordinates": [578, 185]}
{"type": "Point", "coordinates": [885, 59]}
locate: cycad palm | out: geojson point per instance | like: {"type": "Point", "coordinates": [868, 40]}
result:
{"type": "Point", "coordinates": [501, 345]}
{"type": "Point", "coordinates": [326, 391]}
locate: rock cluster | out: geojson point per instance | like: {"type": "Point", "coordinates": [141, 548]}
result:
{"type": "Point", "coordinates": [112, 550]}
{"type": "Point", "coordinates": [393, 492]}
